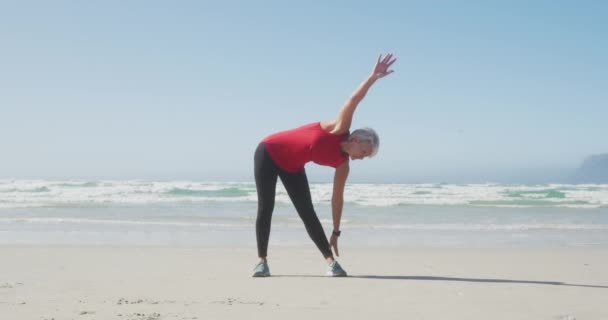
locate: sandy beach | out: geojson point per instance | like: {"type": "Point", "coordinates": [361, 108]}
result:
{"type": "Point", "coordinates": [106, 282]}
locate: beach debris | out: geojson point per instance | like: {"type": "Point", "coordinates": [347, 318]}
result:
{"type": "Point", "coordinates": [230, 301]}
{"type": "Point", "coordinates": [7, 285]}
{"type": "Point", "coordinates": [139, 301]}
{"type": "Point", "coordinates": [86, 312]}
{"type": "Point", "coordinates": [143, 316]}
{"type": "Point", "coordinates": [125, 301]}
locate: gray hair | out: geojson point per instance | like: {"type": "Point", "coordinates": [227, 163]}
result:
{"type": "Point", "coordinates": [367, 135]}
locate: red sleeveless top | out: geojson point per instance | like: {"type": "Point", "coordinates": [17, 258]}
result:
{"type": "Point", "coordinates": [292, 149]}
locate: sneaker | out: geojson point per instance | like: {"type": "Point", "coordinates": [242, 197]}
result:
{"type": "Point", "coordinates": [261, 270]}
{"type": "Point", "coordinates": [335, 270]}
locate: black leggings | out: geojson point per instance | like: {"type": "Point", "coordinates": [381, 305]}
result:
{"type": "Point", "coordinates": [296, 184]}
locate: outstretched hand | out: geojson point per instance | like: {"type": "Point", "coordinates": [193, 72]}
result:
{"type": "Point", "coordinates": [382, 65]}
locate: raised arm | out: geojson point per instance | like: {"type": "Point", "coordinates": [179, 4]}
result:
{"type": "Point", "coordinates": [345, 116]}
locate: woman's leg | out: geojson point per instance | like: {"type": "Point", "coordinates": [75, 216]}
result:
{"type": "Point", "coordinates": [266, 172]}
{"type": "Point", "coordinates": [297, 187]}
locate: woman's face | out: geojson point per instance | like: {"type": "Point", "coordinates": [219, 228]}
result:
{"type": "Point", "coordinates": [360, 150]}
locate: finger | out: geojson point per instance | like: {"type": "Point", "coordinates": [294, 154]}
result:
{"type": "Point", "coordinates": [387, 73]}
{"type": "Point", "coordinates": [388, 56]}
{"type": "Point", "coordinates": [336, 248]}
{"type": "Point", "coordinates": [389, 64]}
{"type": "Point", "coordinates": [379, 57]}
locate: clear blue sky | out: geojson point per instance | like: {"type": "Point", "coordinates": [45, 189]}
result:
{"type": "Point", "coordinates": [186, 89]}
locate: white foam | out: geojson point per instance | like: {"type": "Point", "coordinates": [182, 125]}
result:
{"type": "Point", "coordinates": [489, 227]}
{"type": "Point", "coordinates": [240, 225]}
{"type": "Point", "coordinates": [52, 193]}
{"type": "Point", "coordinates": [121, 222]}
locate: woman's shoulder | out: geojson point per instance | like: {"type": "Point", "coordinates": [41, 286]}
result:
{"type": "Point", "coordinates": [332, 127]}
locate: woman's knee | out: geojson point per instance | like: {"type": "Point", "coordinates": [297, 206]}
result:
{"type": "Point", "coordinates": [265, 210]}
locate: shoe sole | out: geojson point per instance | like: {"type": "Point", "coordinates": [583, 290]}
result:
{"type": "Point", "coordinates": [261, 275]}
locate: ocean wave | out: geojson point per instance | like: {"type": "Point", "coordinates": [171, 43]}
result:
{"type": "Point", "coordinates": [69, 193]}
{"type": "Point", "coordinates": [491, 227]}
{"type": "Point", "coordinates": [30, 190]}
{"type": "Point", "coordinates": [542, 193]}
{"type": "Point", "coordinates": [78, 184]}
{"type": "Point", "coordinates": [297, 224]}
{"type": "Point", "coordinates": [222, 192]}
{"type": "Point", "coordinates": [120, 222]}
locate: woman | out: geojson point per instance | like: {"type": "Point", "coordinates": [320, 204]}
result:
{"type": "Point", "coordinates": [328, 143]}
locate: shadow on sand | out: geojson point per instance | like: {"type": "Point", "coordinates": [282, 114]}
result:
{"type": "Point", "coordinates": [431, 278]}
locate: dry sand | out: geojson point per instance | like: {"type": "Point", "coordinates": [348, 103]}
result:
{"type": "Point", "coordinates": [89, 282]}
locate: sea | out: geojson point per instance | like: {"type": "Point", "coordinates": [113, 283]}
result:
{"type": "Point", "coordinates": [223, 214]}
